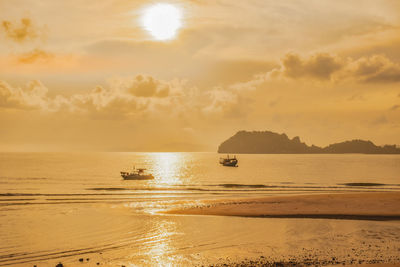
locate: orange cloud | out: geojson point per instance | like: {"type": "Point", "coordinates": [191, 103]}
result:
{"type": "Point", "coordinates": [106, 103]}
{"type": "Point", "coordinates": [146, 86]}
{"type": "Point", "coordinates": [122, 98]}
{"type": "Point", "coordinates": [395, 107]}
{"type": "Point", "coordinates": [34, 95]}
{"type": "Point", "coordinates": [20, 32]}
{"type": "Point", "coordinates": [34, 55]}
{"type": "Point", "coordinates": [327, 67]}
{"type": "Point", "coordinates": [319, 66]}
{"type": "Point", "coordinates": [377, 69]}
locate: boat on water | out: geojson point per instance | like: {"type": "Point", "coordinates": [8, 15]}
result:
{"type": "Point", "coordinates": [229, 161]}
{"type": "Point", "coordinates": [137, 174]}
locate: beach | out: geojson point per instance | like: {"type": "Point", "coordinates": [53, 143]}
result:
{"type": "Point", "coordinates": [359, 206]}
{"type": "Point", "coordinates": [382, 206]}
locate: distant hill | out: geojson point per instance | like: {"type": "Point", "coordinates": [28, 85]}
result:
{"type": "Point", "coordinates": [361, 146]}
{"type": "Point", "coordinates": [267, 142]}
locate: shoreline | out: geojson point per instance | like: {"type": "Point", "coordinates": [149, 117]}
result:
{"type": "Point", "coordinates": [377, 206]}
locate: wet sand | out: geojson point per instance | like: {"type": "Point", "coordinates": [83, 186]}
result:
{"type": "Point", "coordinates": [383, 206]}
{"type": "Point", "coordinates": [354, 206]}
{"type": "Point", "coordinates": [262, 261]}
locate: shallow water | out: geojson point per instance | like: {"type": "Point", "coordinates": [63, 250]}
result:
{"type": "Point", "coordinates": [65, 206]}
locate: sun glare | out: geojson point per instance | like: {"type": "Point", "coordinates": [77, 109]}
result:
{"type": "Point", "coordinates": [162, 21]}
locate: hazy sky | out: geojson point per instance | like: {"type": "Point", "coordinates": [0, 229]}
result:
{"type": "Point", "coordinates": [86, 75]}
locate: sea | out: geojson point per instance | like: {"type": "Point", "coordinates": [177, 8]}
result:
{"type": "Point", "coordinates": [75, 208]}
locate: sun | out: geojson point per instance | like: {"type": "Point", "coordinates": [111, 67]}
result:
{"type": "Point", "coordinates": [162, 21]}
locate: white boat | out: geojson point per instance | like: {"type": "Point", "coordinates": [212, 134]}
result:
{"type": "Point", "coordinates": [137, 174]}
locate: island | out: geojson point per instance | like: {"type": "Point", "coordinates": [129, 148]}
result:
{"type": "Point", "coordinates": [267, 142]}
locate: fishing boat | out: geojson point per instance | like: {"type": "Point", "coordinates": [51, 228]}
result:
{"type": "Point", "coordinates": [137, 174]}
{"type": "Point", "coordinates": [229, 161]}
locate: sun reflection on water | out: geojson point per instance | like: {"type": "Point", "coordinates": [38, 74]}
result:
{"type": "Point", "coordinates": [169, 168]}
{"type": "Point", "coordinates": [160, 243]}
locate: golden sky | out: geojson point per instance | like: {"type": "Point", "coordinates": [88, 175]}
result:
{"type": "Point", "coordinates": [87, 75]}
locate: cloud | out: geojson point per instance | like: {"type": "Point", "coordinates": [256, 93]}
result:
{"type": "Point", "coordinates": [319, 66]}
{"type": "Point", "coordinates": [122, 98]}
{"type": "Point", "coordinates": [35, 96]}
{"type": "Point", "coordinates": [273, 103]}
{"type": "Point", "coordinates": [356, 97]}
{"type": "Point", "coordinates": [228, 102]}
{"type": "Point", "coordinates": [155, 58]}
{"type": "Point", "coordinates": [327, 67]}
{"type": "Point", "coordinates": [147, 86]}
{"type": "Point", "coordinates": [32, 96]}
{"type": "Point", "coordinates": [375, 69]}
{"type": "Point", "coordinates": [20, 32]}
{"type": "Point", "coordinates": [35, 55]}
{"type": "Point", "coordinates": [104, 103]}
{"type": "Point", "coordinates": [380, 120]}
{"type": "Point", "coordinates": [142, 97]}
{"type": "Point", "coordinates": [9, 96]}
{"type": "Point", "coordinates": [395, 107]}
{"type": "Point", "coordinates": [221, 100]}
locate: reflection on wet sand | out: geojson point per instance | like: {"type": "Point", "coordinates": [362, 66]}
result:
{"type": "Point", "coordinates": [161, 242]}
